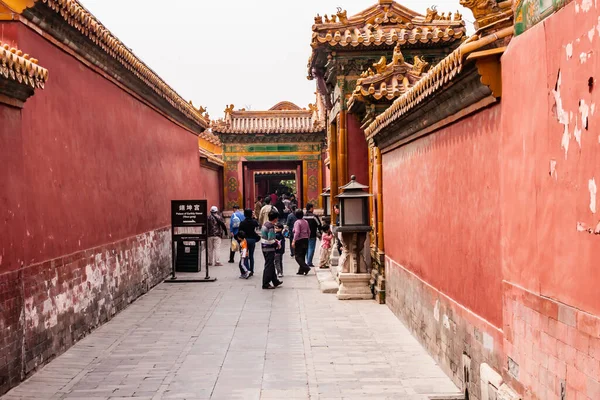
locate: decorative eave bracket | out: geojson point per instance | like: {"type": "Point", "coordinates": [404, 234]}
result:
{"type": "Point", "coordinates": [489, 68]}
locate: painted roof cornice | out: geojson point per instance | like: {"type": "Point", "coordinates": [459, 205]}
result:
{"type": "Point", "coordinates": [21, 72]}
{"type": "Point", "coordinates": [440, 79]}
{"type": "Point", "coordinates": [283, 118]}
{"type": "Point", "coordinates": [382, 26]}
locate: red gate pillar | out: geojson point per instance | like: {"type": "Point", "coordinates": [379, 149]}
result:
{"type": "Point", "coordinates": [299, 194]}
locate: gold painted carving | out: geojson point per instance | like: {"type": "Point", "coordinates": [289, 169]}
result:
{"type": "Point", "coordinates": [487, 12]}
{"type": "Point", "coordinates": [380, 65]}
{"type": "Point", "coordinates": [420, 66]}
{"type": "Point", "coordinates": [342, 15]}
{"type": "Point", "coordinates": [433, 15]}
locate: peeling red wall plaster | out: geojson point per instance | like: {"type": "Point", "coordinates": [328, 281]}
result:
{"type": "Point", "coordinates": [550, 250]}
{"type": "Point", "coordinates": [549, 114]}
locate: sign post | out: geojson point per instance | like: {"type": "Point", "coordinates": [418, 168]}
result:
{"type": "Point", "coordinates": [189, 233]}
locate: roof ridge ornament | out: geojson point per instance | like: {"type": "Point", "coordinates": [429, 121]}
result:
{"type": "Point", "coordinates": [489, 12]}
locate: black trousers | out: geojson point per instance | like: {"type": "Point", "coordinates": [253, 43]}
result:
{"type": "Point", "coordinates": [269, 274]}
{"type": "Point", "coordinates": [300, 255]}
{"type": "Point", "coordinates": [232, 253]}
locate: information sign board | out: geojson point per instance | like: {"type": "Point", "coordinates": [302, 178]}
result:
{"type": "Point", "coordinates": [189, 225]}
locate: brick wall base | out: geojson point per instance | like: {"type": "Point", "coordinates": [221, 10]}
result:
{"type": "Point", "coordinates": [458, 340]}
{"type": "Point", "coordinates": [45, 308]}
{"type": "Point", "coordinates": [378, 275]}
{"type": "Point", "coordinates": [552, 350]}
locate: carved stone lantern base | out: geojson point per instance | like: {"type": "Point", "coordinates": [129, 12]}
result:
{"type": "Point", "coordinates": [354, 276]}
{"type": "Point", "coordinates": [354, 287]}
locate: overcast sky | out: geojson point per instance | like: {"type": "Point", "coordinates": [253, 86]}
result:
{"type": "Point", "coordinates": [252, 54]}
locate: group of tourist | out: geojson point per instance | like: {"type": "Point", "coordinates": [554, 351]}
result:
{"type": "Point", "coordinates": [271, 225]}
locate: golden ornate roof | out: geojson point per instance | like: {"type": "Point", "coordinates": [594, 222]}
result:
{"type": "Point", "coordinates": [386, 23]}
{"type": "Point", "coordinates": [284, 105]}
{"type": "Point", "coordinates": [388, 81]}
{"type": "Point", "coordinates": [19, 67]}
{"type": "Point", "coordinates": [433, 81]}
{"type": "Point", "coordinates": [210, 137]}
{"type": "Point", "coordinates": [83, 21]}
{"type": "Point", "coordinates": [284, 117]}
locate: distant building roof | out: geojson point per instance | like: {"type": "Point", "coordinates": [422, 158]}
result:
{"type": "Point", "coordinates": [284, 117]}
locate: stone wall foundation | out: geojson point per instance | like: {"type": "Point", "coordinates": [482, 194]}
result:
{"type": "Point", "coordinates": [45, 308]}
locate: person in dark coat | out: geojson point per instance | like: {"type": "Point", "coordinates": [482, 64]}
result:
{"type": "Point", "coordinates": [249, 226]}
{"type": "Point", "coordinates": [269, 245]}
{"type": "Point", "coordinates": [291, 220]}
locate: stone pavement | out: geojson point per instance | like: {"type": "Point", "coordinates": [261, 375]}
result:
{"type": "Point", "coordinates": [232, 340]}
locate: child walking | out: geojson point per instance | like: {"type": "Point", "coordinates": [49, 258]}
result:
{"type": "Point", "coordinates": [279, 236]}
{"type": "Point", "coordinates": [244, 260]}
{"type": "Point", "coordinates": [326, 239]}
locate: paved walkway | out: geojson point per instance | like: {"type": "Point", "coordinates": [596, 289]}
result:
{"type": "Point", "coordinates": [232, 340]}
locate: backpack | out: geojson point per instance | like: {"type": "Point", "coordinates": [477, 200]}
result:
{"type": "Point", "coordinates": [235, 221]}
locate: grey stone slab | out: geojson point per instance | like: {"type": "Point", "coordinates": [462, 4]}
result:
{"type": "Point", "coordinates": [233, 340]}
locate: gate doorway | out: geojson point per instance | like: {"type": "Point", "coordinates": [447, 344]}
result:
{"type": "Point", "coordinates": [265, 178]}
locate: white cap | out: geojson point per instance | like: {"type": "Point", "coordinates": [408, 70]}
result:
{"type": "Point", "coordinates": [214, 209]}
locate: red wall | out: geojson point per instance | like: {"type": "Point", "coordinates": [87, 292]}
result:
{"type": "Point", "coordinates": [12, 212]}
{"type": "Point", "coordinates": [86, 183]}
{"type": "Point", "coordinates": [441, 211]}
{"type": "Point", "coordinates": [211, 182]}
{"type": "Point", "coordinates": [545, 189]}
{"type": "Point", "coordinates": [100, 165]}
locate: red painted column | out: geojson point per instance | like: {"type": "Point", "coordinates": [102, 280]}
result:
{"type": "Point", "coordinates": [299, 186]}
{"type": "Point", "coordinates": [233, 178]}
{"type": "Point", "coordinates": [252, 187]}
{"type": "Point", "coordinates": [247, 187]}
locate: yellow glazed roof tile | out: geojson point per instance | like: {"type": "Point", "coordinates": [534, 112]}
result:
{"type": "Point", "coordinates": [386, 24]}
{"type": "Point", "coordinates": [442, 73]}
{"type": "Point", "coordinates": [388, 81]}
{"type": "Point", "coordinates": [19, 67]}
{"type": "Point", "coordinates": [284, 117]}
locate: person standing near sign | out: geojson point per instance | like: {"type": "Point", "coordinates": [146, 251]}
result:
{"type": "Point", "coordinates": [234, 226]}
{"type": "Point", "coordinates": [216, 228]}
{"type": "Point", "coordinates": [269, 245]}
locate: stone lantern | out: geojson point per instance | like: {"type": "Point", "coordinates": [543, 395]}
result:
{"type": "Point", "coordinates": [354, 275]}
{"type": "Point", "coordinates": [326, 195]}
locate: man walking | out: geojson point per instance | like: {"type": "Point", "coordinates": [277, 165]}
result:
{"type": "Point", "coordinates": [258, 206]}
{"type": "Point", "coordinates": [300, 242]}
{"type": "Point", "coordinates": [291, 220]}
{"type": "Point", "coordinates": [269, 245]}
{"type": "Point", "coordinates": [234, 226]}
{"type": "Point", "coordinates": [216, 228]}
{"type": "Point", "coordinates": [315, 229]}
{"type": "Point", "coordinates": [264, 212]}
